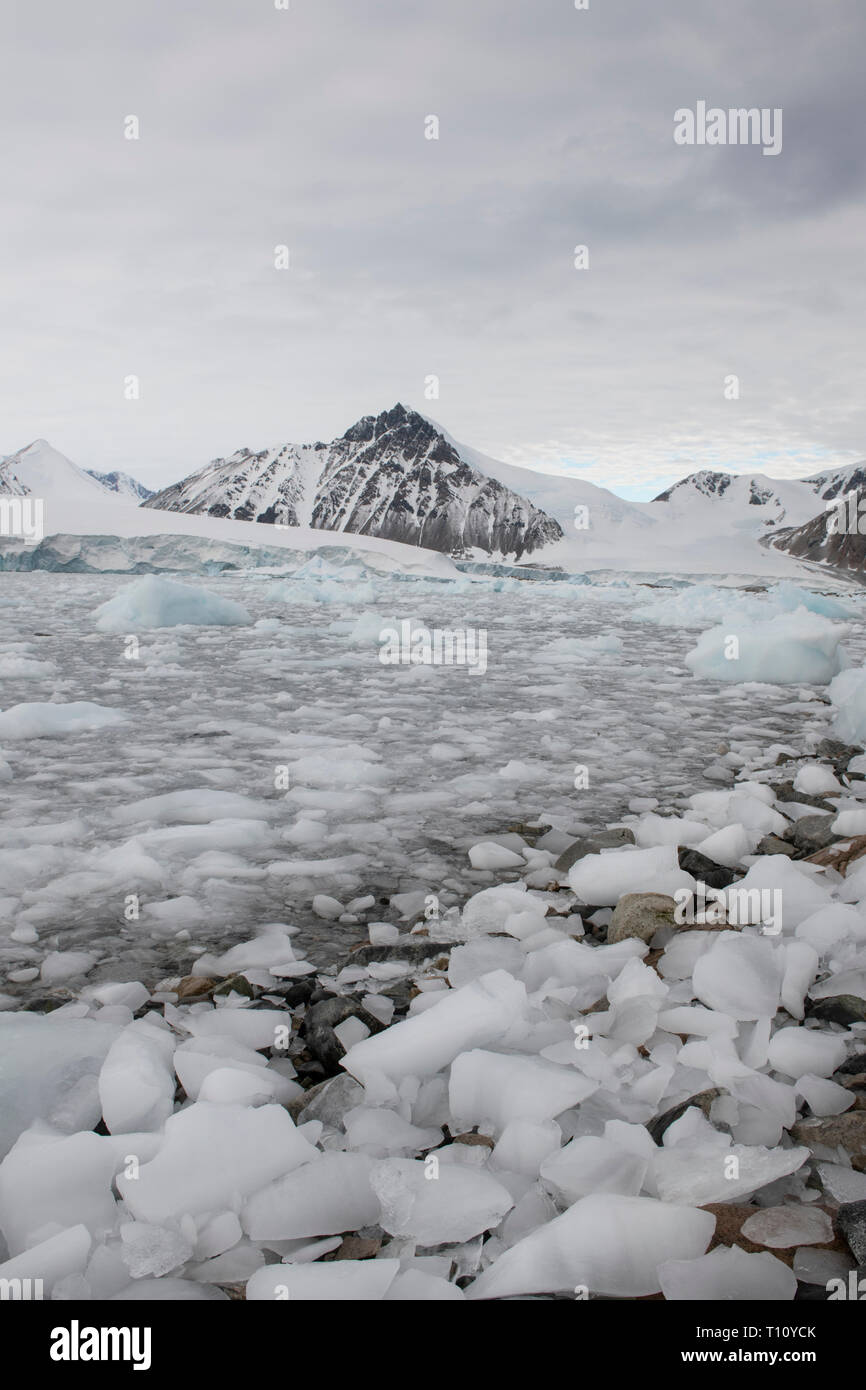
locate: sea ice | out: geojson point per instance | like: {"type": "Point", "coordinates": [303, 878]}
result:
{"type": "Point", "coordinates": [57, 720]}
{"type": "Point", "coordinates": [496, 1088]}
{"type": "Point", "coordinates": [153, 602]}
{"type": "Point", "coordinates": [728, 1275]}
{"type": "Point", "coordinates": [609, 1244]}
{"type": "Point", "coordinates": [212, 1157]}
{"type": "Point", "coordinates": [480, 1012]}
{"type": "Point", "coordinates": [602, 879]}
{"type": "Point", "coordinates": [437, 1205]}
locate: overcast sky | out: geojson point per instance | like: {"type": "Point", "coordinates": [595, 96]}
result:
{"type": "Point", "coordinates": [454, 257]}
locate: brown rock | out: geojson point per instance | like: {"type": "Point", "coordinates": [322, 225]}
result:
{"type": "Point", "coordinates": [355, 1248]}
{"type": "Point", "coordinates": [193, 985]}
{"type": "Point", "coordinates": [840, 856]}
{"type": "Point", "coordinates": [849, 1130]}
{"type": "Point", "coordinates": [472, 1138]}
{"type": "Point", "coordinates": [730, 1218]}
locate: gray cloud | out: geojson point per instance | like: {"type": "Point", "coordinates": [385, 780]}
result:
{"type": "Point", "coordinates": [411, 257]}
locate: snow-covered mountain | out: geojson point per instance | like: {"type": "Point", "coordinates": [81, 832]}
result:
{"type": "Point", "coordinates": [401, 482]}
{"type": "Point", "coordinates": [393, 475]}
{"type": "Point", "coordinates": [743, 501]}
{"type": "Point", "coordinates": [122, 484]}
{"type": "Point", "coordinates": [41, 471]}
{"type": "Point", "coordinates": [836, 481]}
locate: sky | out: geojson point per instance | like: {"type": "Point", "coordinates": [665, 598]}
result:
{"type": "Point", "coordinates": [411, 258]}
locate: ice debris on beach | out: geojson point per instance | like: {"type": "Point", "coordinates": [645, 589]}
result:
{"type": "Point", "coordinates": [564, 1082]}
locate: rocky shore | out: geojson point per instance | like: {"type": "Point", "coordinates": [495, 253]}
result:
{"type": "Point", "coordinates": [633, 1066]}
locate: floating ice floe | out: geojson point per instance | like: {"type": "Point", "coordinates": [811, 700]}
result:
{"type": "Point", "coordinates": [789, 649]}
{"type": "Point", "coordinates": [154, 602]}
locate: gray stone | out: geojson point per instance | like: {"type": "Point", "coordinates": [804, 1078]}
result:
{"type": "Point", "coordinates": [772, 844]}
{"type": "Point", "coordinates": [414, 950]}
{"type": "Point", "coordinates": [328, 1102]}
{"type": "Point", "coordinates": [784, 792]}
{"type": "Point", "coordinates": [839, 1008]}
{"type": "Point", "coordinates": [706, 870]}
{"type": "Point", "coordinates": [594, 844]}
{"type": "Point", "coordinates": [703, 1101]}
{"type": "Point", "coordinates": [812, 833]}
{"type": "Point", "coordinates": [640, 915]}
{"type": "Point", "coordinates": [851, 1219]}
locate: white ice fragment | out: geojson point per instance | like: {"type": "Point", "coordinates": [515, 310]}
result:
{"type": "Point", "coordinates": [437, 1204]}
{"type": "Point", "coordinates": [338, 1281]}
{"type": "Point", "coordinates": [783, 1228]}
{"type": "Point", "coordinates": [495, 1088]}
{"type": "Point", "coordinates": [698, 1172]}
{"type": "Point", "coordinates": [487, 855]}
{"type": "Point", "coordinates": [136, 1083]}
{"type": "Point", "coordinates": [590, 1164]}
{"type": "Point", "coordinates": [153, 602]}
{"type": "Point", "coordinates": [728, 1274]}
{"type": "Point", "coordinates": [322, 1198]}
{"type": "Point", "coordinates": [740, 976]}
{"type": "Point", "coordinates": [602, 879]}
{"type": "Point", "coordinates": [481, 1012]}
{"type": "Point", "coordinates": [801, 1051]}
{"type": "Point", "coordinates": [212, 1157]}
{"type": "Point", "coordinates": [606, 1243]}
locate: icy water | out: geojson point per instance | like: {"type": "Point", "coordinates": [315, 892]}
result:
{"type": "Point", "coordinates": [393, 772]}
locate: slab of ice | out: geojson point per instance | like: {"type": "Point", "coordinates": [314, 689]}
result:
{"type": "Point", "coordinates": [788, 649]}
{"type": "Point", "coordinates": [607, 1244]}
{"type": "Point", "coordinates": [848, 695]}
{"type": "Point", "coordinates": [489, 910]}
{"type": "Point", "coordinates": [136, 1083]}
{"type": "Point", "coordinates": [48, 1184]}
{"type": "Point", "coordinates": [338, 1281]}
{"type": "Point", "coordinates": [740, 976]}
{"type": "Point", "coordinates": [437, 1203]}
{"type": "Point", "coordinates": [591, 1164]}
{"type": "Point", "coordinates": [817, 779]}
{"type": "Point", "coordinates": [783, 1228]}
{"type": "Point", "coordinates": [602, 879]}
{"type": "Point", "coordinates": [487, 855]}
{"type": "Point", "coordinates": [323, 1198]}
{"type": "Point", "coordinates": [728, 1275]}
{"type": "Point", "coordinates": [495, 1088]}
{"type": "Point", "coordinates": [255, 1028]}
{"type": "Point", "coordinates": [481, 1012]}
{"type": "Point", "coordinates": [59, 1257]}
{"type": "Point", "coordinates": [801, 1051]}
{"type": "Point", "coordinates": [48, 1071]}
{"type": "Point", "coordinates": [153, 602]}
{"type": "Point", "coordinates": [480, 956]}
{"type": "Point", "coordinates": [416, 1286]}
{"type": "Point", "coordinates": [698, 1172]}
{"type": "Point", "coordinates": [213, 1156]}
{"type": "Point", "coordinates": [523, 1145]}
{"type": "Point", "coordinates": [380, 1132]}
{"type": "Point", "coordinates": [36, 720]}
{"type": "Point", "coordinates": [152, 1250]}
{"type": "Point", "coordinates": [824, 1097]}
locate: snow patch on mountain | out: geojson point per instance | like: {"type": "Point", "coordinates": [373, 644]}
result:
{"type": "Point", "coordinates": [123, 484]}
